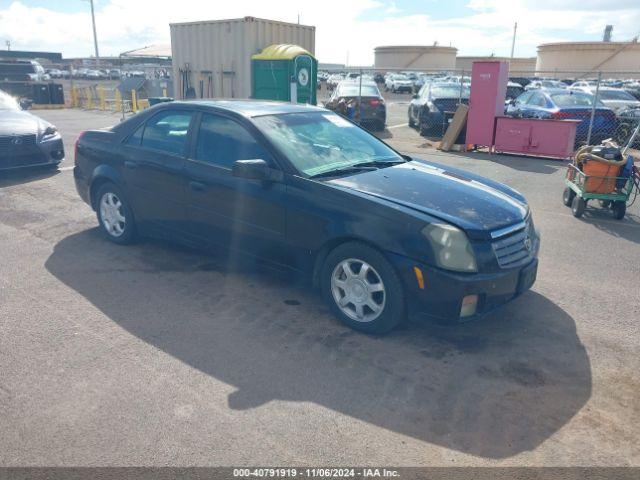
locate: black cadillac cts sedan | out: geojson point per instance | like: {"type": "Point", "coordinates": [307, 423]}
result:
{"type": "Point", "coordinates": [383, 235]}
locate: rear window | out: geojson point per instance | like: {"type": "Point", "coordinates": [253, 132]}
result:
{"type": "Point", "coordinates": [353, 91]}
{"type": "Point", "coordinates": [573, 99]}
{"type": "Point", "coordinates": [615, 95]}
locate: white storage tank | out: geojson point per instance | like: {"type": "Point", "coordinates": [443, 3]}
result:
{"type": "Point", "coordinates": [608, 57]}
{"type": "Point", "coordinates": [214, 57]}
{"type": "Point", "coordinates": [415, 57]}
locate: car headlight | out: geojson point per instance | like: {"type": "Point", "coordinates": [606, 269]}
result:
{"type": "Point", "coordinates": [50, 131]}
{"type": "Point", "coordinates": [451, 247]}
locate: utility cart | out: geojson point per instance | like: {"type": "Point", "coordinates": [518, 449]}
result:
{"type": "Point", "coordinates": [580, 188]}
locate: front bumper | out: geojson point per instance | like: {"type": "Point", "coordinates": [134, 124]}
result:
{"type": "Point", "coordinates": [441, 298]}
{"type": "Point", "coordinates": [44, 153]}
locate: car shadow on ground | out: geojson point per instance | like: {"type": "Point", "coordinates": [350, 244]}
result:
{"type": "Point", "coordinates": [493, 388]}
{"type": "Point", "coordinates": [521, 163]}
{"type": "Point", "coordinates": [9, 178]}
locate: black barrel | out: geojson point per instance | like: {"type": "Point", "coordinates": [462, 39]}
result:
{"type": "Point", "coordinates": [56, 94]}
{"type": "Point", "coordinates": [41, 94]}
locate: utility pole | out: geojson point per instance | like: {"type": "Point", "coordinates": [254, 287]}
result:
{"type": "Point", "coordinates": [8, 43]}
{"type": "Point", "coordinates": [513, 42]}
{"type": "Point", "coordinates": [95, 35]}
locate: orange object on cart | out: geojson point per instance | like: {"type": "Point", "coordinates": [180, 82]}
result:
{"type": "Point", "coordinates": [601, 177]}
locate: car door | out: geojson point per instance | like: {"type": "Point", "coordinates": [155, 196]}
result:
{"type": "Point", "coordinates": [238, 213]}
{"type": "Point", "coordinates": [153, 160]}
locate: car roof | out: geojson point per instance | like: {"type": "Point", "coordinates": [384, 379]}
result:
{"type": "Point", "coordinates": [252, 108]}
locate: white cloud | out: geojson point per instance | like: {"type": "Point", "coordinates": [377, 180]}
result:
{"type": "Point", "coordinates": [356, 26]}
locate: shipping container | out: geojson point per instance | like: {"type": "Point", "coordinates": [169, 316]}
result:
{"type": "Point", "coordinates": [212, 59]}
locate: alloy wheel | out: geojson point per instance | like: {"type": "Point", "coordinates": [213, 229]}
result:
{"type": "Point", "coordinates": [358, 290]}
{"type": "Point", "coordinates": [111, 214]}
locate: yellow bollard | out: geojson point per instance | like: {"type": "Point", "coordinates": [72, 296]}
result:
{"type": "Point", "coordinates": [74, 97]}
{"type": "Point", "coordinates": [164, 92]}
{"type": "Point", "coordinates": [118, 101]}
{"type": "Point", "coordinates": [89, 94]}
{"type": "Point", "coordinates": [101, 95]}
{"type": "Point", "coordinates": [134, 101]}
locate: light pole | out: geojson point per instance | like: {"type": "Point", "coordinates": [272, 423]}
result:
{"type": "Point", "coordinates": [95, 35]}
{"type": "Point", "coordinates": [513, 42]}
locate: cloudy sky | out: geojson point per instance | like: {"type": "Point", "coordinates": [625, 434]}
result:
{"type": "Point", "coordinates": [343, 27]}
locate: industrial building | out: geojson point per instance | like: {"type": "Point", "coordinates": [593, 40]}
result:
{"type": "Point", "coordinates": [214, 57]}
{"type": "Point", "coordinates": [415, 57]}
{"type": "Point", "coordinates": [608, 57]}
{"type": "Point", "coordinates": [523, 66]}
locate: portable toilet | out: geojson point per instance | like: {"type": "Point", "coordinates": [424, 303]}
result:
{"type": "Point", "coordinates": [285, 72]}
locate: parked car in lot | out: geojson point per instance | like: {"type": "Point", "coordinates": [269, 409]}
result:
{"type": "Point", "coordinates": [26, 140]}
{"type": "Point", "coordinates": [22, 71]}
{"type": "Point", "coordinates": [566, 104]}
{"type": "Point", "coordinates": [383, 235]}
{"type": "Point", "coordinates": [398, 83]}
{"type": "Point", "coordinates": [514, 90]}
{"type": "Point", "coordinates": [537, 84]}
{"type": "Point", "coordinates": [372, 113]}
{"type": "Point", "coordinates": [430, 107]}
{"type": "Point", "coordinates": [616, 99]}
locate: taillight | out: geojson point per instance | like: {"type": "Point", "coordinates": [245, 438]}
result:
{"type": "Point", "coordinates": [562, 115]}
{"type": "Point", "coordinates": [75, 155]}
{"type": "Point", "coordinates": [374, 102]}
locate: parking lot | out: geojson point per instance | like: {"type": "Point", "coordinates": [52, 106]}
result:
{"type": "Point", "coordinates": [153, 354]}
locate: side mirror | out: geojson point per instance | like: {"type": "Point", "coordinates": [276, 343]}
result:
{"type": "Point", "coordinates": [414, 96]}
{"type": "Point", "coordinates": [255, 170]}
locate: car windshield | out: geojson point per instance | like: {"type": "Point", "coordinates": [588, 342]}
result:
{"type": "Point", "coordinates": [354, 91]}
{"type": "Point", "coordinates": [7, 102]}
{"type": "Point", "coordinates": [615, 95]}
{"type": "Point", "coordinates": [574, 99]}
{"type": "Point", "coordinates": [321, 142]}
{"type": "Point", "coordinates": [400, 77]}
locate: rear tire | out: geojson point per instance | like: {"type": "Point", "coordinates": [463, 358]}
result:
{"type": "Point", "coordinates": [352, 292]}
{"type": "Point", "coordinates": [115, 215]}
{"type": "Point", "coordinates": [619, 209]}
{"type": "Point", "coordinates": [578, 206]}
{"type": "Point", "coordinates": [567, 196]}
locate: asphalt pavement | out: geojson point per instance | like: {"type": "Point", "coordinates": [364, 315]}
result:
{"type": "Point", "coordinates": [153, 354]}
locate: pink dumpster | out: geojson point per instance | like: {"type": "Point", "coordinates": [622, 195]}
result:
{"type": "Point", "coordinates": [534, 136]}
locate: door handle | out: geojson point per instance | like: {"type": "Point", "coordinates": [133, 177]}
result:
{"type": "Point", "coordinates": [130, 164]}
{"type": "Point", "coordinates": [197, 186]}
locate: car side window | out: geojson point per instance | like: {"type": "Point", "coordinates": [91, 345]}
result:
{"type": "Point", "coordinates": [135, 139]}
{"type": "Point", "coordinates": [167, 132]}
{"type": "Point", "coordinates": [222, 141]}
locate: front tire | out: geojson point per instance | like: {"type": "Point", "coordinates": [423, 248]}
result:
{"type": "Point", "coordinates": [567, 196]}
{"type": "Point", "coordinates": [115, 215]}
{"type": "Point", "coordinates": [578, 206]}
{"type": "Point", "coordinates": [362, 288]}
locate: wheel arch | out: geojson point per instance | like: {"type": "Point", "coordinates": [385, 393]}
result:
{"type": "Point", "coordinates": [103, 174]}
{"type": "Point", "coordinates": [331, 245]}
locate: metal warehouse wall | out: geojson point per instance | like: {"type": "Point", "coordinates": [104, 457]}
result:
{"type": "Point", "coordinates": [224, 47]}
{"type": "Point", "coordinates": [415, 57]}
{"type": "Point", "coordinates": [516, 65]}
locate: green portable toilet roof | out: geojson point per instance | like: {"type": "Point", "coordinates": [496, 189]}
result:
{"type": "Point", "coordinates": [281, 52]}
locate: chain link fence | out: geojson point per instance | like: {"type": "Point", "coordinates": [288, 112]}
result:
{"type": "Point", "coordinates": [607, 105]}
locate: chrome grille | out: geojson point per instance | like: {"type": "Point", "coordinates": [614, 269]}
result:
{"type": "Point", "coordinates": [514, 247]}
{"type": "Point", "coordinates": [16, 142]}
